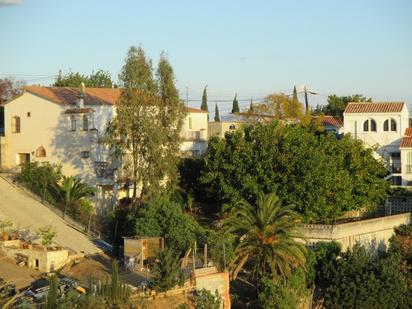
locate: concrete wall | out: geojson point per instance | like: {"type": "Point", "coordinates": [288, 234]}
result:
{"type": "Point", "coordinates": [370, 232]}
{"type": "Point", "coordinates": [48, 261]}
{"type": "Point", "coordinates": [194, 133]}
{"type": "Point", "coordinates": [220, 128]}
{"type": "Point", "coordinates": [212, 280]}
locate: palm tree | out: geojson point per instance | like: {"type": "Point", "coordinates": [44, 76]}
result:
{"type": "Point", "coordinates": [266, 234]}
{"type": "Point", "coordinates": [72, 190]}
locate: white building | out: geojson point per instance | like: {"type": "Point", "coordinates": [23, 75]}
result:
{"type": "Point", "coordinates": [380, 126]}
{"type": "Point", "coordinates": [65, 126]}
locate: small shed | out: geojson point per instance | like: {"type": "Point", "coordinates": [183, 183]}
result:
{"type": "Point", "coordinates": [138, 249]}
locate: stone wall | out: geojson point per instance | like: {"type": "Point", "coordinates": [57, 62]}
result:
{"type": "Point", "coordinates": [374, 232]}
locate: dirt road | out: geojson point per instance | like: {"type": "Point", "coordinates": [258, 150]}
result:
{"type": "Point", "coordinates": [26, 212]}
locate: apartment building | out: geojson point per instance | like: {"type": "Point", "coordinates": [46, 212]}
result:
{"type": "Point", "coordinates": [66, 126]}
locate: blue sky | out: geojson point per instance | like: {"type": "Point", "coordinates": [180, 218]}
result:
{"type": "Point", "coordinates": [250, 47]}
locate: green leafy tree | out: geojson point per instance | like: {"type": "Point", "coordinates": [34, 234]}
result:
{"type": "Point", "coordinates": [167, 219]}
{"type": "Point", "coordinates": [362, 279]}
{"type": "Point", "coordinates": [144, 135]}
{"type": "Point", "coordinates": [221, 249]}
{"type": "Point", "coordinates": [167, 272]}
{"type": "Point", "coordinates": [204, 106]}
{"type": "Point", "coordinates": [217, 116]}
{"type": "Point", "coordinates": [204, 299]}
{"type": "Point", "coordinates": [71, 190]}
{"type": "Point", "coordinates": [265, 234]}
{"type": "Point", "coordinates": [8, 90]}
{"type": "Point", "coordinates": [235, 105]}
{"type": "Point", "coordinates": [41, 178]}
{"type": "Point", "coordinates": [322, 176]}
{"type": "Point", "coordinates": [337, 104]}
{"type": "Point", "coordinates": [283, 294]}
{"type": "Point", "coordinates": [98, 79]}
{"type": "Point", "coordinates": [47, 235]}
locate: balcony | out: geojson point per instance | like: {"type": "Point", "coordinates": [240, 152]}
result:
{"type": "Point", "coordinates": [396, 169]}
{"type": "Point", "coordinates": [189, 136]}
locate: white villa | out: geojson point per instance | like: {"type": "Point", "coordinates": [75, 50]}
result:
{"type": "Point", "coordinates": [385, 127]}
{"type": "Point", "coordinates": [66, 125]}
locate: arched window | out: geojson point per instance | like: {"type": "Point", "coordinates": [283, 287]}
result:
{"type": "Point", "coordinates": [73, 122]}
{"type": "Point", "coordinates": [85, 123]}
{"type": "Point", "coordinates": [373, 125]}
{"type": "Point", "coordinates": [41, 152]}
{"type": "Point", "coordinates": [393, 125]}
{"type": "Point", "coordinates": [366, 126]}
{"type": "Point", "coordinates": [386, 125]}
{"type": "Point", "coordinates": [15, 124]}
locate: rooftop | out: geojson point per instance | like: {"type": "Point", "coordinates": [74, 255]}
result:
{"type": "Point", "coordinates": [93, 96]}
{"type": "Point", "coordinates": [374, 107]}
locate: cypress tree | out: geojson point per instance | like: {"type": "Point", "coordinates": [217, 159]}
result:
{"type": "Point", "coordinates": [295, 94]}
{"type": "Point", "coordinates": [217, 116]}
{"type": "Point", "coordinates": [204, 100]}
{"type": "Point", "coordinates": [251, 106]}
{"type": "Point", "coordinates": [235, 106]}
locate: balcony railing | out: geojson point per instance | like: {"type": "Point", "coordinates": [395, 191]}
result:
{"type": "Point", "coordinates": [192, 136]}
{"type": "Point", "coordinates": [396, 169]}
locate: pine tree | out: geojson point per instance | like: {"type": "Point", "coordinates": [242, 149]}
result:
{"type": "Point", "coordinates": [251, 106]}
{"type": "Point", "coordinates": [217, 116]}
{"type": "Point", "coordinates": [235, 106]}
{"type": "Point", "coordinates": [204, 100]}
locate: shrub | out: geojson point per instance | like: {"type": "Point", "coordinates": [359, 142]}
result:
{"type": "Point", "coordinates": [47, 234]}
{"type": "Point", "coordinates": [41, 178]}
{"type": "Point", "coordinates": [167, 271]}
{"type": "Point", "coordinates": [204, 299]}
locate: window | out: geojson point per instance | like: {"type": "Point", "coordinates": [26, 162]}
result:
{"type": "Point", "coordinates": [409, 163]}
{"type": "Point", "coordinates": [15, 124]}
{"type": "Point", "coordinates": [28, 114]}
{"type": "Point", "coordinates": [85, 123]}
{"type": "Point", "coordinates": [392, 123]}
{"type": "Point", "coordinates": [373, 125]}
{"type": "Point", "coordinates": [396, 180]}
{"type": "Point", "coordinates": [85, 154]}
{"type": "Point", "coordinates": [73, 122]}
{"type": "Point", "coordinates": [190, 123]}
{"type": "Point", "coordinates": [369, 124]}
{"type": "Point", "coordinates": [232, 127]}
{"type": "Point", "coordinates": [386, 125]}
{"type": "Point", "coordinates": [366, 126]}
{"type": "Point", "coordinates": [395, 155]}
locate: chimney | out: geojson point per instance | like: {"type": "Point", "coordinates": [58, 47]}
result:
{"type": "Point", "coordinates": [81, 96]}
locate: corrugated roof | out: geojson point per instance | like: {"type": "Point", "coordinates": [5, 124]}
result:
{"type": "Point", "coordinates": [93, 96]}
{"type": "Point", "coordinates": [374, 107]}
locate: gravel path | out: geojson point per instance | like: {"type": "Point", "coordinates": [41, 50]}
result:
{"type": "Point", "coordinates": [26, 212]}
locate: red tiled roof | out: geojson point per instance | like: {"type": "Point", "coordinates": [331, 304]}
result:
{"type": "Point", "coordinates": [407, 139]}
{"type": "Point", "coordinates": [330, 121]}
{"type": "Point", "coordinates": [94, 96]}
{"type": "Point", "coordinates": [408, 132]}
{"type": "Point", "coordinates": [68, 95]}
{"type": "Point", "coordinates": [374, 107]}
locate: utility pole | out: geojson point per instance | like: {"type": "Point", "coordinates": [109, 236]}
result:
{"type": "Point", "coordinates": [306, 99]}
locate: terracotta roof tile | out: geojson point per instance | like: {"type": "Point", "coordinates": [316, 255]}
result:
{"type": "Point", "coordinates": [94, 96]}
{"type": "Point", "coordinates": [408, 132]}
{"type": "Point", "coordinates": [330, 121]}
{"type": "Point", "coordinates": [374, 107]}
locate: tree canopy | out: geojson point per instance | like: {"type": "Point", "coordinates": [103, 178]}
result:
{"type": "Point", "coordinates": [337, 104]}
{"type": "Point", "coordinates": [235, 105]}
{"type": "Point", "coordinates": [145, 134]}
{"type": "Point", "coordinates": [98, 79]}
{"type": "Point", "coordinates": [322, 176]}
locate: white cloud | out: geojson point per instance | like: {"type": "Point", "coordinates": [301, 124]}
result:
{"type": "Point", "coordinates": [10, 2]}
